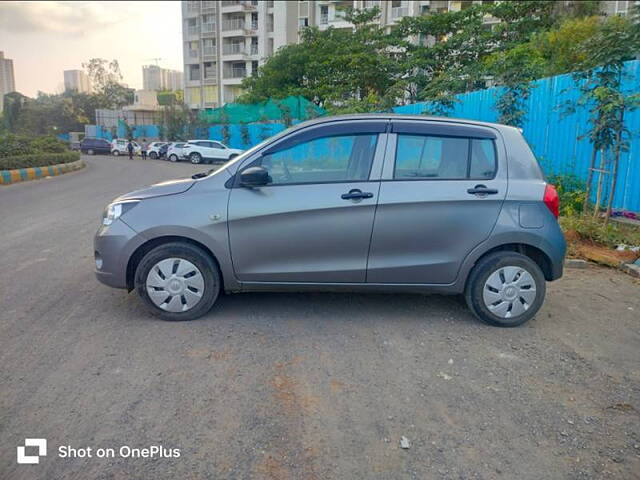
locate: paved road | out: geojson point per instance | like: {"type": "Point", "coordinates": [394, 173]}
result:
{"type": "Point", "coordinates": [307, 386]}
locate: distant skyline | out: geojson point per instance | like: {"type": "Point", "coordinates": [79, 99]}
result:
{"type": "Point", "coordinates": [46, 38]}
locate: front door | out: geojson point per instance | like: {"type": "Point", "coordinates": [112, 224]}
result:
{"type": "Point", "coordinates": [442, 189]}
{"type": "Point", "coordinates": [313, 221]}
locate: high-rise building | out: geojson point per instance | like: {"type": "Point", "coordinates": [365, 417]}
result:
{"type": "Point", "coordinates": [157, 78]}
{"type": "Point", "coordinates": [77, 80]}
{"type": "Point", "coordinates": [224, 42]}
{"type": "Point", "coordinates": [7, 80]}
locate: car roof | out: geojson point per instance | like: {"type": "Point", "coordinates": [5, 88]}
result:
{"type": "Point", "coordinates": [397, 116]}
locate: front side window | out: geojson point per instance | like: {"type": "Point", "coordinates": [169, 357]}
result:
{"type": "Point", "coordinates": [452, 158]}
{"type": "Point", "coordinates": [340, 158]}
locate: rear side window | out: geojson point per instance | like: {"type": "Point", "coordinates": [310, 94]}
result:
{"type": "Point", "coordinates": [436, 157]}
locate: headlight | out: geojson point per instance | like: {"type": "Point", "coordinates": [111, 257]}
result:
{"type": "Point", "coordinates": [115, 210]}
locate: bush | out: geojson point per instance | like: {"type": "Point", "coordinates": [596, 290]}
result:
{"type": "Point", "coordinates": [12, 145]}
{"type": "Point", "coordinates": [571, 190]}
{"type": "Point", "coordinates": [37, 160]}
{"type": "Point", "coordinates": [595, 230]}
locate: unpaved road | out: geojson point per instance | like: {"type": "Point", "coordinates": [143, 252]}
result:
{"type": "Point", "coordinates": [304, 386]}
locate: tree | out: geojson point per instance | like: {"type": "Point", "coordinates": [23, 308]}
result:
{"type": "Point", "coordinates": [106, 79]}
{"type": "Point", "coordinates": [244, 134]}
{"type": "Point", "coordinates": [514, 70]}
{"type": "Point", "coordinates": [617, 41]}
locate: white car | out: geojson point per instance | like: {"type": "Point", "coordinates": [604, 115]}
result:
{"type": "Point", "coordinates": [153, 150]}
{"type": "Point", "coordinates": [198, 151]}
{"type": "Point", "coordinates": [175, 151]}
{"type": "Point", "coordinates": [119, 147]}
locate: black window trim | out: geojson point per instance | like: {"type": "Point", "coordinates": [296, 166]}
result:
{"type": "Point", "coordinates": [436, 179]}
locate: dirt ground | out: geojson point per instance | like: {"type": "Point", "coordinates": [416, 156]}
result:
{"type": "Point", "coordinates": [299, 386]}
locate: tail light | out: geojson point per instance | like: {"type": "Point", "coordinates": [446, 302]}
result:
{"type": "Point", "coordinates": [552, 200]}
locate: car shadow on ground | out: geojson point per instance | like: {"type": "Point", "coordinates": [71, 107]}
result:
{"type": "Point", "coordinates": [365, 308]}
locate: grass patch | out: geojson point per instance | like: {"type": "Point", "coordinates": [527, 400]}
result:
{"type": "Point", "coordinates": [37, 160]}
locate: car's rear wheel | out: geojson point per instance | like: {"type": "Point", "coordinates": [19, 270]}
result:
{"type": "Point", "coordinates": [90, 151]}
{"type": "Point", "coordinates": [173, 157]}
{"type": "Point", "coordinates": [153, 155]}
{"type": "Point", "coordinates": [178, 281]}
{"type": "Point", "coordinates": [195, 157]}
{"type": "Point", "coordinates": [505, 289]}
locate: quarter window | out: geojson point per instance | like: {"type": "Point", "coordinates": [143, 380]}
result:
{"type": "Point", "coordinates": [453, 158]}
{"type": "Point", "coordinates": [327, 159]}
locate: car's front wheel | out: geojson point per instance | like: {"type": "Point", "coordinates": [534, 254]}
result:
{"type": "Point", "coordinates": [505, 289]}
{"type": "Point", "coordinates": [153, 155]}
{"type": "Point", "coordinates": [178, 281]}
{"type": "Point", "coordinates": [195, 157]}
{"type": "Point", "coordinates": [173, 157]}
{"type": "Point", "coordinates": [116, 153]}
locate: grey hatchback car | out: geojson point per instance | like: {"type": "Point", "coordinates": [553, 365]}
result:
{"type": "Point", "coordinates": [378, 203]}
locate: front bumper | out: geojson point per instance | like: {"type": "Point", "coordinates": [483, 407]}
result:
{"type": "Point", "coordinates": [113, 245]}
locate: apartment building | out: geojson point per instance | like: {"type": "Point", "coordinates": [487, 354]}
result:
{"type": "Point", "coordinates": [7, 79]}
{"type": "Point", "coordinates": [226, 41]}
{"type": "Point", "coordinates": [77, 80]}
{"type": "Point", "coordinates": [158, 78]}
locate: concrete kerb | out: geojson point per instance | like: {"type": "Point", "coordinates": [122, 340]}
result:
{"type": "Point", "coordinates": [32, 173]}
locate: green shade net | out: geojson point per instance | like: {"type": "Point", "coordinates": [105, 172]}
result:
{"type": "Point", "coordinates": [299, 108]}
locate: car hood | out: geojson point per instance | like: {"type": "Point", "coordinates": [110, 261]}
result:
{"type": "Point", "coordinates": [170, 187]}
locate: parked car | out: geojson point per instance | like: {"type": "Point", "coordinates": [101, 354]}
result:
{"type": "Point", "coordinates": [365, 202]}
{"type": "Point", "coordinates": [92, 146]}
{"type": "Point", "coordinates": [119, 147]}
{"type": "Point", "coordinates": [198, 151]}
{"type": "Point", "coordinates": [153, 150]}
{"type": "Point", "coordinates": [175, 151]}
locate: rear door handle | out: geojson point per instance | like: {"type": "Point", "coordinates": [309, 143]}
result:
{"type": "Point", "coordinates": [356, 194]}
{"type": "Point", "coordinates": [482, 190]}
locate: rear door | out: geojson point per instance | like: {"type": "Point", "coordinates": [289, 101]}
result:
{"type": "Point", "coordinates": [442, 188]}
{"type": "Point", "coordinates": [313, 222]}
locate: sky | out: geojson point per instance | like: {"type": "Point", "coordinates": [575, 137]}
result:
{"type": "Point", "coordinates": [45, 38]}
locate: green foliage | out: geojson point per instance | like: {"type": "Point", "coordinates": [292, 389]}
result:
{"type": "Point", "coordinates": [608, 234]}
{"type": "Point", "coordinates": [170, 97]}
{"type": "Point", "coordinates": [12, 145]}
{"type": "Point", "coordinates": [37, 160]}
{"type": "Point", "coordinates": [105, 78]}
{"type": "Point", "coordinates": [572, 193]}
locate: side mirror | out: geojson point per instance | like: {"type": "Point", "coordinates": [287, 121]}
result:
{"type": "Point", "coordinates": [254, 177]}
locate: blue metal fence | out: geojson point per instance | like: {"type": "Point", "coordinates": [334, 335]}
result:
{"type": "Point", "coordinates": [554, 135]}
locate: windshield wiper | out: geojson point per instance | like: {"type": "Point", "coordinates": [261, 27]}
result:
{"type": "Point", "coordinates": [202, 174]}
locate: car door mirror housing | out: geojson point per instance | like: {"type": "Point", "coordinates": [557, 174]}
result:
{"type": "Point", "coordinates": [254, 177]}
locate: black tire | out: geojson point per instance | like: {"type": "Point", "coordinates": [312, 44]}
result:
{"type": "Point", "coordinates": [153, 155]}
{"type": "Point", "coordinates": [115, 153]}
{"type": "Point", "coordinates": [195, 158]}
{"type": "Point", "coordinates": [481, 272]}
{"type": "Point", "coordinates": [173, 158]}
{"type": "Point", "coordinates": [195, 255]}
{"type": "Point", "coordinates": [232, 156]}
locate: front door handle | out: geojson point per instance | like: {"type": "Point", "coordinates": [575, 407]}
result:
{"type": "Point", "coordinates": [356, 194]}
{"type": "Point", "coordinates": [482, 190]}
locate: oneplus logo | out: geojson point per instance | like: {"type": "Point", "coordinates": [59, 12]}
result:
{"type": "Point", "coordinates": [41, 443]}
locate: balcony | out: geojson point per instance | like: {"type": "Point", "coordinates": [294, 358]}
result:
{"type": "Point", "coordinates": [399, 12]}
{"type": "Point", "coordinates": [233, 49]}
{"type": "Point", "coordinates": [207, 5]}
{"type": "Point", "coordinates": [235, 73]}
{"type": "Point", "coordinates": [233, 24]}
{"type": "Point", "coordinates": [209, 51]}
{"type": "Point", "coordinates": [254, 49]}
{"type": "Point", "coordinates": [193, 30]}
{"type": "Point", "coordinates": [193, 54]}
{"type": "Point", "coordinates": [208, 27]}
